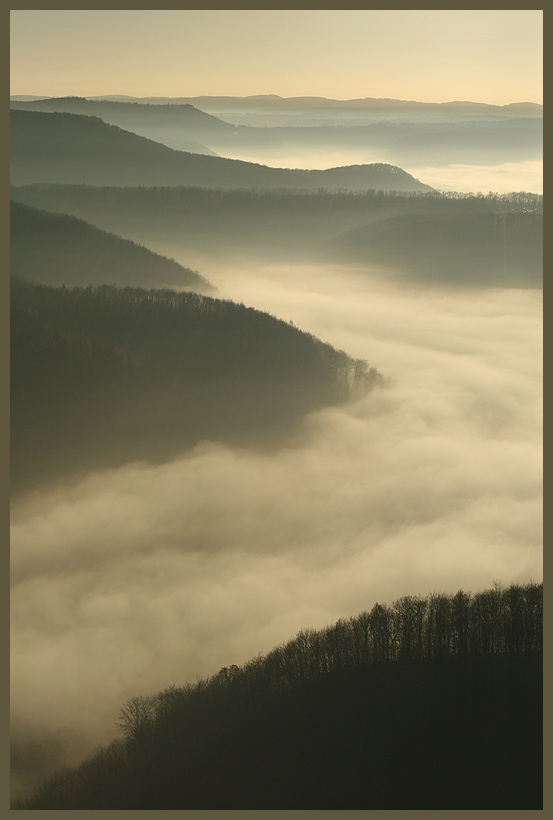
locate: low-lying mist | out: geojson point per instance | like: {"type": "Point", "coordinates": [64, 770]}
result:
{"type": "Point", "coordinates": [144, 576]}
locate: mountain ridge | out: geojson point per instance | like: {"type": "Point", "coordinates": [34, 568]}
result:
{"type": "Point", "coordinates": [278, 99]}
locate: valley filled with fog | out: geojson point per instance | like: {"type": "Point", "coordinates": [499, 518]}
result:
{"type": "Point", "coordinates": [137, 577]}
{"type": "Point", "coordinates": [276, 420]}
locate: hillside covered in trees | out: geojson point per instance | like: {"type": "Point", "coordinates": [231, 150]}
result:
{"type": "Point", "coordinates": [431, 703]}
{"type": "Point", "coordinates": [447, 239]}
{"type": "Point", "coordinates": [57, 249]}
{"type": "Point", "coordinates": [79, 149]}
{"type": "Point", "coordinates": [101, 376]}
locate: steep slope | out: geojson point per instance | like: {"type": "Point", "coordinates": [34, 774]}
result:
{"type": "Point", "coordinates": [80, 149]}
{"type": "Point", "coordinates": [103, 376]}
{"type": "Point", "coordinates": [430, 703]}
{"type": "Point", "coordinates": [57, 249]}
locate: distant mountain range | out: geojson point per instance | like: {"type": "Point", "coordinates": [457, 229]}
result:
{"type": "Point", "coordinates": [374, 104]}
{"type": "Point", "coordinates": [70, 148]}
{"type": "Point", "coordinates": [58, 249]}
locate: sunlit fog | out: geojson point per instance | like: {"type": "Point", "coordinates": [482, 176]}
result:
{"type": "Point", "coordinates": [276, 362]}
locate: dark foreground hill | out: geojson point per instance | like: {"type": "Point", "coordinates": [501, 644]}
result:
{"type": "Point", "coordinates": [431, 704]}
{"type": "Point", "coordinates": [103, 376]}
{"type": "Point", "coordinates": [57, 249]}
{"type": "Point", "coordinates": [70, 148]}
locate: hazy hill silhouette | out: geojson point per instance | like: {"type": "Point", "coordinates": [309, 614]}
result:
{"type": "Point", "coordinates": [103, 376]}
{"type": "Point", "coordinates": [430, 703]}
{"type": "Point", "coordinates": [268, 101]}
{"type": "Point", "coordinates": [402, 132]}
{"type": "Point", "coordinates": [72, 148]}
{"type": "Point", "coordinates": [183, 124]}
{"type": "Point", "coordinates": [59, 249]}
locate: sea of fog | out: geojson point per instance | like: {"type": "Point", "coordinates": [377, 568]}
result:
{"type": "Point", "coordinates": [145, 576]}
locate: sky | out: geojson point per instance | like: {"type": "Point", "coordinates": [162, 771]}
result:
{"type": "Point", "coordinates": [425, 55]}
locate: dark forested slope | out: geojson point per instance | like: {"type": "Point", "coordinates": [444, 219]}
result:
{"type": "Point", "coordinates": [70, 148]}
{"type": "Point", "coordinates": [58, 249]}
{"type": "Point", "coordinates": [102, 376]}
{"type": "Point", "coordinates": [431, 703]}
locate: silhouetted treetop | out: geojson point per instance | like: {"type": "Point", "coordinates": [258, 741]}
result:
{"type": "Point", "coordinates": [427, 703]}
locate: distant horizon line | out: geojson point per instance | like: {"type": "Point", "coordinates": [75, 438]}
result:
{"type": "Point", "coordinates": [277, 97]}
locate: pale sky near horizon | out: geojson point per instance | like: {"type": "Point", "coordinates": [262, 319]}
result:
{"type": "Point", "coordinates": [426, 55]}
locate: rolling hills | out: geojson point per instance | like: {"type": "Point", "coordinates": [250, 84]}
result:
{"type": "Point", "coordinates": [462, 240]}
{"type": "Point", "coordinates": [400, 132]}
{"type": "Point", "coordinates": [70, 148]}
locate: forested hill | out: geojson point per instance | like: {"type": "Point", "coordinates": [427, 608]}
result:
{"type": "Point", "coordinates": [103, 376]}
{"type": "Point", "coordinates": [479, 249]}
{"type": "Point", "coordinates": [70, 148]}
{"type": "Point", "coordinates": [430, 703]}
{"type": "Point", "coordinates": [58, 249]}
